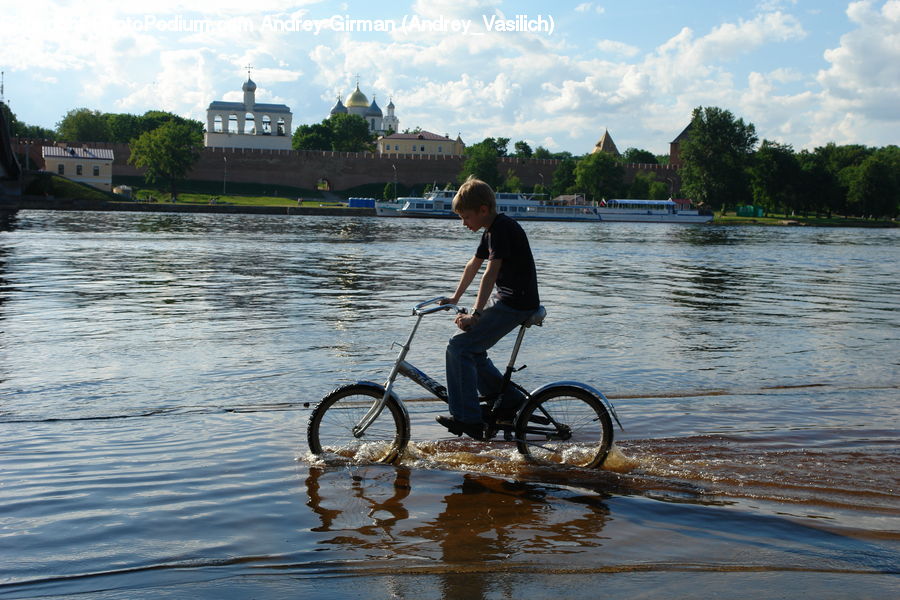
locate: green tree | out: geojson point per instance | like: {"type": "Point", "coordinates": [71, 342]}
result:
{"type": "Point", "coordinates": [168, 153]}
{"type": "Point", "coordinates": [659, 190]}
{"type": "Point", "coordinates": [350, 133]}
{"type": "Point", "coordinates": [599, 175]}
{"type": "Point", "coordinates": [646, 186]}
{"type": "Point", "coordinates": [17, 128]}
{"type": "Point", "coordinates": [837, 158]}
{"type": "Point", "coordinates": [123, 127]}
{"type": "Point", "coordinates": [35, 132]}
{"type": "Point", "coordinates": [774, 175]}
{"type": "Point", "coordinates": [152, 119]}
{"type": "Point", "coordinates": [341, 133]}
{"type": "Point", "coordinates": [715, 157]}
{"type": "Point", "coordinates": [10, 117]}
{"type": "Point", "coordinates": [638, 156]}
{"type": "Point", "coordinates": [83, 125]}
{"type": "Point", "coordinates": [481, 162]}
{"type": "Point", "coordinates": [817, 187]}
{"type": "Point", "coordinates": [564, 178]}
{"type": "Point", "coordinates": [541, 152]}
{"type": "Point", "coordinates": [875, 188]}
{"type": "Point", "coordinates": [523, 150]}
{"type": "Point", "coordinates": [512, 183]}
{"type": "Point", "coordinates": [312, 137]}
{"type": "Point", "coordinates": [890, 156]}
{"type": "Point", "coordinates": [842, 162]}
{"type": "Point", "coordinates": [498, 144]}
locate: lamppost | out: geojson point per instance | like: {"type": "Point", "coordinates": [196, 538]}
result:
{"type": "Point", "coordinates": [395, 180]}
{"type": "Point", "coordinates": [224, 170]}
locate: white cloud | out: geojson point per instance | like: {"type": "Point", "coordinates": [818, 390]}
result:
{"type": "Point", "coordinates": [586, 7]}
{"type": "Point", "coordinates": [859, 90]}
{"type": "Point", "coordinates": [864, 76]}
{"type": "Point", "coordinates": [621, 48]}
{"type": "Point", "coordinates": [775, 5]}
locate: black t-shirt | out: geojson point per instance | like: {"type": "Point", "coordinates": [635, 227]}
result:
{"type": "Point", "coordinates": [517, 282]}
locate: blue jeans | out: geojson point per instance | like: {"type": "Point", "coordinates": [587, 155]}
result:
{"type": "Point", "coordinates": [470, 371]}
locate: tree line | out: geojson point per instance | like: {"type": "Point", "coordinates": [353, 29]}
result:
{"type": "Point", "coordinates": [86, 125]}
{"type": "Point", "coordinates": [724, 167]}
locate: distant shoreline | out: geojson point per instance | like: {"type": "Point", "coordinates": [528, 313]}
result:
{"type": "Point", "coordinates": [53, 203]}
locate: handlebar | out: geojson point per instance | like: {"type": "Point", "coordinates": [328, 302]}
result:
{"type": "Point", "coordinates": [419, 309]}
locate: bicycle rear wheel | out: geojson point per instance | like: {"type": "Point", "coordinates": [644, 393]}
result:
{"type": "Point", "coordinates": [331, 425]}
{"type": "Point", "coordinates": [565, 425]}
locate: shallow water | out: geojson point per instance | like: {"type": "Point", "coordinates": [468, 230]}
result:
{"type": "Point", "coordinates": [154, 371]}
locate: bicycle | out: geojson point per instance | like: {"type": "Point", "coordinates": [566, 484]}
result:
{"type": "Point", "coordinates": [565, 422]}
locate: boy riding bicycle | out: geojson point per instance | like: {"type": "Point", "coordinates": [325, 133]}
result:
{"type": "Point", "coordinates": [510, 268]}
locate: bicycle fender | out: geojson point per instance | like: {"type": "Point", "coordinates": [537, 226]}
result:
{"type": "Point", "coordinates": [585, 388]}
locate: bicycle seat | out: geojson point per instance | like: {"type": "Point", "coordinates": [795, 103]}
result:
{"type": "Point", "coordinates": [536, 318]}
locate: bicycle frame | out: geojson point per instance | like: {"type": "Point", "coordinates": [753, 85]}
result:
{"type": "Point", "coordinates": [402, 367]}
{"type": "Point", "coordinates": [410, 371]}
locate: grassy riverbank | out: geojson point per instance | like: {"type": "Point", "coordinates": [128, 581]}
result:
{"type": "Point", "coordinates": [795, 221]}
{"type": "Point", "coordinates": [229, 200]}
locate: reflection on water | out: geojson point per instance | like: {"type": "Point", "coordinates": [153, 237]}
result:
{"type": "Point", "coordinates": [154, 372]}
{"type": "Point", "coordinates": [483, 522]}
{"type": "Point", "coordinates": [482, 525]}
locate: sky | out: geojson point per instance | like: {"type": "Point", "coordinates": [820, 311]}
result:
{"type": "Point", "coordinates": [553, 74]}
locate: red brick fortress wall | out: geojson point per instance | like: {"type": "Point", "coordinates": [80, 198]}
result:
{"type": "Point", "coordinates": [343, 170]}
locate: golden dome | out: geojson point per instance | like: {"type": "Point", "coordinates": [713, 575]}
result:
{"type": "Point", "coordinates": [357, 99]}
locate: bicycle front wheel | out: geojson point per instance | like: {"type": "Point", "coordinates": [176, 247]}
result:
{"type": "Point", "coordinates": [565, 425]}
{"type": "Point", "coordinates": [332, 423]}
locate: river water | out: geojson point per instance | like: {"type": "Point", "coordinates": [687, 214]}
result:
{"type": "Point", "coordinates": [155, 372]}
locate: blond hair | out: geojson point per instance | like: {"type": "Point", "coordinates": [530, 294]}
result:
{"type": "Point", "coordinates": [473, 194]}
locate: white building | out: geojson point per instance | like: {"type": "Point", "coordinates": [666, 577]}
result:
{"type": "Point", "coordinates": [248, 124]}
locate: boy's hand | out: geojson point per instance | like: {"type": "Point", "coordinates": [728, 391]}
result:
{"type": "Point", "coordinates": [465, 322]}
{"type": "Point", "coordinates": [450, 300]}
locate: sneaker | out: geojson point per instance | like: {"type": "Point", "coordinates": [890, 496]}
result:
{"type": "Point", "coordinates": [473, 430]}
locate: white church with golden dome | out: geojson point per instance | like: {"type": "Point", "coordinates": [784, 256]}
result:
{"type": "Point", "coordinates": [358, 104]}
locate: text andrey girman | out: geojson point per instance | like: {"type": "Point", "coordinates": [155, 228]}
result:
{"type": "Point", "coordinates": [346, 24]}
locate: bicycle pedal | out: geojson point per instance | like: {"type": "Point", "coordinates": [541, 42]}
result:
{"type": "Point", "coordinates": [473, 430]}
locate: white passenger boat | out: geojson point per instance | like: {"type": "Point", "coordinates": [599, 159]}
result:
{"type": "Point", "coordinates": [438, 205]}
